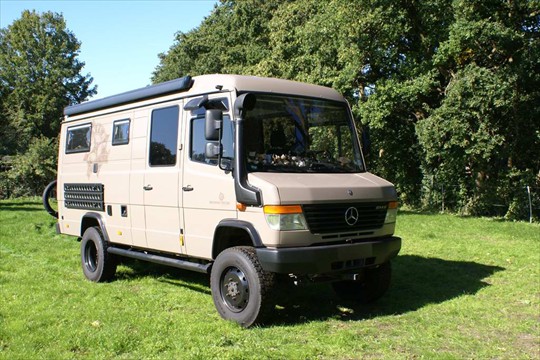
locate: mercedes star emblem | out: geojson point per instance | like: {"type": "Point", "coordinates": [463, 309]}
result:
{"type": "Point", "coordinates": [351, 216]}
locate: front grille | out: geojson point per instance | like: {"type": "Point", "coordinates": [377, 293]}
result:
{"type": "Point", "coordinates": [84, 196]}
{"type": "Point", "coordinates": [331, 218]}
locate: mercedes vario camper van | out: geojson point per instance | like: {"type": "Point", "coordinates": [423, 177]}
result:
{"type": "Point", "coordinates": [248, 179]}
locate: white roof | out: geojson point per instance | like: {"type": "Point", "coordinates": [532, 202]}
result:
{"type": "Point", "coordinates": [198, 85]}
{"type": "Point", "coordinates": [244, 83]}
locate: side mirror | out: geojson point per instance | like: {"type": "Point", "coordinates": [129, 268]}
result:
{"type": "Point", "coordinates": [212, 150]}
{"type": "Point", "coordinates": [212, 125]}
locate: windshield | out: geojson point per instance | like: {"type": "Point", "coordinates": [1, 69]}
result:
{"type": "Point", "coordinates": [287, 134]}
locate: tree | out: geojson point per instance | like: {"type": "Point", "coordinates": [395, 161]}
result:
{"type": "Point", "coordinates": [233, 39]}
{"type": "Point", "coordinates": [40, 74]}
{"type": "Point", "coordinates": [484, 136]}
{"type": "Point", "coordinates": [448, 88]}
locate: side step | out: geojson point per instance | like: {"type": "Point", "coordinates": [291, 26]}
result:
{"type": "Point", "coordinates": [162, 260]}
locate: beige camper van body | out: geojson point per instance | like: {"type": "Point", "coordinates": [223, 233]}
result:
{"type": "Point", "coordinates": [135, 166]}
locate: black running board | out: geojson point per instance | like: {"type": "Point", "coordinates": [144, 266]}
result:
{"type": "Point", "coordinates": [162, 260]}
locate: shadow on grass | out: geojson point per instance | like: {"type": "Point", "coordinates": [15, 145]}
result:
{"type": "Point", "coordinates": [416, 282]}
{"type": "Point", "coordinates": [166, 274]}
{"type": "Point", "coordinates": [7, 205]}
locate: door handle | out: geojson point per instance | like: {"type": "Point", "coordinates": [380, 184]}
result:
{"type": "Point", "coordinates": [187, 188]}
{"type": "Point", "coordinates": [148, 187]}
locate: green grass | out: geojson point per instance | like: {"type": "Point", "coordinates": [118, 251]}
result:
{"type": "Point", "coordinates": [462, 288]}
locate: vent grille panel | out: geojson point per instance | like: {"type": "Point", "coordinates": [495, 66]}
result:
{"type": "Point", "coordinates": [84, 196]}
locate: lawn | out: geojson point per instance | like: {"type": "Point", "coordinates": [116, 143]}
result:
{"type": "Point", "coordinates": [462, 288]}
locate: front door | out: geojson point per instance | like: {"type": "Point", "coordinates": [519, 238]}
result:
{"type": "Point", "coordinates": [208, 191]}
{"type": "Point", "coordinates": [162, 199]}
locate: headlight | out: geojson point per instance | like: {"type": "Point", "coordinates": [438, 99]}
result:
{"type": "Point", "coordinates": [285, 217]}
{"type": "Point", "coordinates": [391, 213]}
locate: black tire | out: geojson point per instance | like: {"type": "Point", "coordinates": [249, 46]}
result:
{"type": "Point", "coordinates": [372, 287]}
{"type": "Point", "coordinates": [97, 264]}
{"type": "Point", "coordinates": [240, 287]}
{"type": "Point", "coordinates": [49, 191]}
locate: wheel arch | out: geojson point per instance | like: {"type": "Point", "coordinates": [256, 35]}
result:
{"type": "Point", "coordinates": [91, 219]}
{"type": "Point", "coordinates": [232, 232]}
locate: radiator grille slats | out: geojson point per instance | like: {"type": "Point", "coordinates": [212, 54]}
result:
{"type": "Point", "coordinates": [332, 218]}
{"type": "Point", "coordinates": [84, 196]}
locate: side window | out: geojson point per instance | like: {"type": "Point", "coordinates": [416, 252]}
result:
{"type": "Point", "coordinates": [198, 141]}
{"type": "Point", "coordinates": [121, 132]}
{"type": "Point", "coordinates": [164, 136]}
{"type": "Point", "coordinates": [78, 138]}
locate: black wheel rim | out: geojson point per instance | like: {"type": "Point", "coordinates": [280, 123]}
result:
{"type": "Point", "coordinates": [234, 289]}
{"type": "Point", "coordinates": [90, 257]}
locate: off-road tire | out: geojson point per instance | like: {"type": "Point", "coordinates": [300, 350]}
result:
{"type": "Point", "coordinates": [241, 289]}
{"type": "Point", "coordinates": [97, 264]}
{"type": "Point", "coordinates": [46, 198]}
{"type": "Point", "coordinates": [372, 287]}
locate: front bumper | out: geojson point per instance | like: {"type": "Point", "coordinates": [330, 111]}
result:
{"type": "Point", "coordinates": [329, 258]}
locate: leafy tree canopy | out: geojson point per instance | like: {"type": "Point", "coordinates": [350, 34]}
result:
{"type": "Point", "coordinates": [40, 75]}
{"type": "Point", "coordinates": [233, 39]}
{"type": "Point", "coordinates": [448, 88]}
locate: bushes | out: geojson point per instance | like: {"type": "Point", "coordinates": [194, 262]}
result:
{"type": "Point", "coordinates": [27, 174]}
